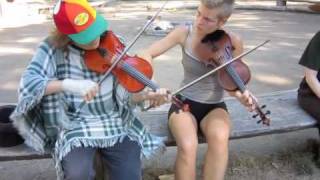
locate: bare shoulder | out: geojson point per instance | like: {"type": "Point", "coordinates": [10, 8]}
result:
{"type": "Point", "coordinates": [237, 43]}
{"type": "Point", "coordinates": [235, 39]}
{"type": "Point", "coordinates": [179, 34]}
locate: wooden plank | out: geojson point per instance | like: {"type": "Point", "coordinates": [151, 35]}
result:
{"type": "Point", "coordinates": [285, 116]}
{"type": "Point", "coordinates": [20, 152]}
{"type": "Point", "coordinates": [305, 1]}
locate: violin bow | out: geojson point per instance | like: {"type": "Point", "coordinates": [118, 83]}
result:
{"type": "Point", "coordinates": [119, 57]}
{"type": "Point", "coordinates": [218, 68]}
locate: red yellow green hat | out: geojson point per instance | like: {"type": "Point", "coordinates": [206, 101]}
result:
{"type": "Point", "coordinates": [78, 20]}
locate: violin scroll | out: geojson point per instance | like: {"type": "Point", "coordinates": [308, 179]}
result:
{"type": "Point", "coordinates": [263, 115]}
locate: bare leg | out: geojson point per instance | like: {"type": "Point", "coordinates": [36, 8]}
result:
{"type": "Point", "coordinates": [216, 128]}
{"type": "Point", "coordinates": [184, 129]}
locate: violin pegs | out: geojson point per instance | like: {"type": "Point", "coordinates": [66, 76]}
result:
{"type": "Point", "coordinates": [254, 116]}
{"type": "Point", "coordinates": [268, 112]}
{"type": "Point", "coordinates": [258, 122]}
{"type": "Point", "coordinates": [263, 106]}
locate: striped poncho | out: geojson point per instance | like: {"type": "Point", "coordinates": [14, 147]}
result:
{"type": "Point", "coordinates": [50, 124]}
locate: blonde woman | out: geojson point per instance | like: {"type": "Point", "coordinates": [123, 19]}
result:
{"type": "Point", "coordinates": [208, 112]}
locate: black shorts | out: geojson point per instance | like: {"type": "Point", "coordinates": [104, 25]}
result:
{"type": "Point", "coordinates": [197, 109]}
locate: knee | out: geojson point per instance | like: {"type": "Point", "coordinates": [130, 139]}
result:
{"type": "Point", "coordinates": [78, 164]}
{"type": "Point", "coordinates": [78, 174]}
{"type": "Point", "coordinates": [133, 171]}
{"type": "Point", "coordinates": [218, 137]}
{"type": "Point", "coordinates": [127, 170]}
{"type": "Point", "coordinates": [188, 148]}
{"type": "Point", "coordinates": [80, 171]}
{"type": "Point", "coordinates": [127, 164]}
{"type": "Point", "coordinates": [302, 101]}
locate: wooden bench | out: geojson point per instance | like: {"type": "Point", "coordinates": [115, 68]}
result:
{"type": "Point", "coordinates": [285, 116]}
{"type": "Point", "coordinates": [284, 2]}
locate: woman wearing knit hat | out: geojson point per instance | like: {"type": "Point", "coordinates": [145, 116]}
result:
{"type": "Point", "coordinates": [54, 85]}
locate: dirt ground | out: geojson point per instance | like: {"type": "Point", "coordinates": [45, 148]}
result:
{"type": "Point", "coordinates": [296, 164]}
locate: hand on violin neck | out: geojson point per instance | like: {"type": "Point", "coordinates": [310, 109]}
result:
{"type": "Point", "coordinates": [245, 98]}
{"type": "Point", "coordinates": [86, 88]}
{"type": "Point", "coordinates": [157, 98]}
{"type": "Point", "coordinates": [161, 96]}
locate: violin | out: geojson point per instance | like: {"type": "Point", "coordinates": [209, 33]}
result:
{"type": "Point", "coordinates": [215, 49]}
{"type": "Point", "coordinates": [100, 60]}
{"type": "Point", "coordinates": [133, 73]}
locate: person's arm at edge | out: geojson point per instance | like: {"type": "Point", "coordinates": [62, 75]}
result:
{"type": "Point", "coordinates": [312, 80]}
{"type": "Point", "coordinates": [238, 49]}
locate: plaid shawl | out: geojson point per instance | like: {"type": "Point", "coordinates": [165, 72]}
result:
{"type": "Point", "coordinates": [50, 124]}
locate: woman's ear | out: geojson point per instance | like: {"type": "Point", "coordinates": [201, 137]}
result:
{"type": "Point", "coordinates": [222, 21]}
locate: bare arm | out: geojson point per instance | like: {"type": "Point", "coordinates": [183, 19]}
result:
{"type": "Point", "coordinates": [157, 98]}
{"type": "Point", "coordinates": [53, 87]}
{"type": "Point", "coordinates": [177, 36]}
{"type": "Point", "coordinates": [312, 80]}
{"type": "Point", "coordinates": [246, 98]}
{"type": "Point", "coordinates": [238, 49]}
{"type": "Point", "coordinates": [87, 88]}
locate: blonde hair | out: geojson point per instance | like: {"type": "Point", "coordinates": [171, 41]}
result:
{"type": "Point", "coordinates": [59, 40]}
{"type": "Point", "coordinates": [226, 6]}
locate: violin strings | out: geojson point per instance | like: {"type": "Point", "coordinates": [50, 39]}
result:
{"type": "Point", "coordinates": [132, 71]}
{"type": "Point", "coordinates": [236, 78]}
{"type": "Point", "coordinates": [139, 76]}
{"type": "Point", "coordinates": [242, 87]}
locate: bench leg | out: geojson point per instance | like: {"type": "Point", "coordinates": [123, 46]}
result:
{"type": "Point", "coordinates": [281, 2]}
